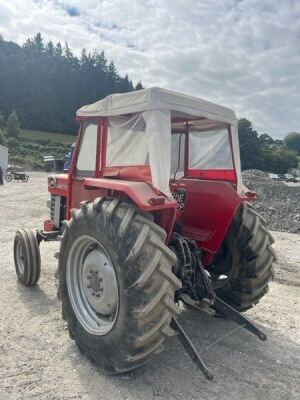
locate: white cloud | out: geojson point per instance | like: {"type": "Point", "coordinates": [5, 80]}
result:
{"type": "Point", "coordinates": [242, 54]}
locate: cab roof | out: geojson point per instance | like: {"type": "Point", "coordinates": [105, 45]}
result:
{"type": "Point", "coordinates": [180, 105]}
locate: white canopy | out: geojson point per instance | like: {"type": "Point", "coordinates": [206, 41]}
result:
{"type": "Point", "coordinates": [156, 99]}
{"type": "Point", "coordinates": [156, 107]}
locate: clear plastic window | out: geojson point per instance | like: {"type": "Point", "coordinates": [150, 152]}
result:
{"type": "Point", "coordinates": [86, 162]}
{"type": "Point", "coordinates": [127, 141]}
{"type": "Point", "coordinates": [210, 149]}
{"type": "Point", "coordinates": [177, 155]}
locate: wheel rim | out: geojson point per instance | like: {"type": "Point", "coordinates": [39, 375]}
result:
{"type": "Point", "coordinates": [92, 285]}
{"type": "Point", "coordinates": [20, 257]}
{"type": "Point", "coordinates": [221, 271]}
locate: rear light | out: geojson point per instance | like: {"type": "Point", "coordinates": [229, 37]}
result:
{"type": "Point", "coordinates": [156, 201]}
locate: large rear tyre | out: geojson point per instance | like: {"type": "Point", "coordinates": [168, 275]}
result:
{"type": "Point", "coordinates": [116, 284]}
{"type": "Point", "coordinates": [8, 178]}
{"type": "Point", "coordinates": [246, 257]}
{"type": "Point", "coordinates": [27, 257]}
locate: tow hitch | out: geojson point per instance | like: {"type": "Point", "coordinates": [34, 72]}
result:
{"type": "Point", "coordinates": [210, 304]}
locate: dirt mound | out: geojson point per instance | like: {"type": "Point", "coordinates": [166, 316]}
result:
{"type": "Point", "coordinates": [278, 203]}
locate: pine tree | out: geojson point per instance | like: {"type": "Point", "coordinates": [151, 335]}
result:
{"type": "Point", "coordinates": [50, 49]}
{"type": "Point", "coordinates": [47, 83]}
{"type": "Point", "coordinates": [38, 43]}
{"type": "Point", "coordinates": [139, 86]}
{"type": "Point", "coordinates": [2, 130]}
{"type": "Point", "coordinates": [2, 122]}
{"type": "Point", "coordinates": [2, 138]}
{"type": "Point", "coordinates": [13, 125]}
{"type": "Point", "coordinates": [58, 50]}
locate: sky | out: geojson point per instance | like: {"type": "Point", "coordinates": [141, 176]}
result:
{"type": "Point", "coordinates": [243, 54]}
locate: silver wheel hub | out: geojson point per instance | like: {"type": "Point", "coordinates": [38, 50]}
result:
{"type": "Point", "coordinates": [92, 285]}
{"type": "Point", "coordinates": [100, 285]}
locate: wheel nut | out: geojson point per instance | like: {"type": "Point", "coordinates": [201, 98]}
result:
{"type": "Point", "coordinates": [88, 286]}
{"type": "Point", "coordinates": [97, 294]}
{"type": "Point", "coordinates": [93, 294]}
{"type": "Point", "coordinates": [88, 277]}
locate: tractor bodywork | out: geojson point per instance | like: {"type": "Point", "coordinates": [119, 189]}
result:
{"type": "Point", "coordinates": [204, 200]}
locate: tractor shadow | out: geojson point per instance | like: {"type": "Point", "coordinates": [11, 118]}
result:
{"type": "Point", "coordinates": [243, 366]}
{"type": "Point", "coordinates": [42, 298]}
{"type": "Point", "coordinates": [36, 300]}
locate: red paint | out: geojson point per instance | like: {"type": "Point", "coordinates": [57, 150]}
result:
{"type": "Point", "coordinates": [98, 153]}
{"type": "Point", "coordinates": [61, 186]}
{"type": "Point", "coordinates": [227, 175]}
{"type": "Point", "coordinates": [49, 226]}
{"type": "Point", "coordinates": [209, 209]}
{"type": "Point", "coordinates": [139, 192]}
{"type": "Point", "coordinates": [211, 203]}
{"type": "Point", "coordinates": [72, 170]}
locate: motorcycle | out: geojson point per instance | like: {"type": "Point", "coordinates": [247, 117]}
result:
{"type": "Point", "coordinates": [16, 176]}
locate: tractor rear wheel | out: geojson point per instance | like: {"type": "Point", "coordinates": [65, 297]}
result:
{"type": "Point", "coordinates": [116, 284]}
{"type": "Point", "coordinates": [246, 257]}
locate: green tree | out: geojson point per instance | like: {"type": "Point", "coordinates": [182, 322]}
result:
{"type": "Point", "coordinates": [279, 159]}
{"type": "Point", "coordinates": [139, 86]}
{"type": "Point", "coordinates": [13, 125]}
{"type": "Point", "coordinates": [250, 148]}
{"type": "Point", "coordinates": [265, 139]}
{"type": "Point", "coordinates": [2, 130]}
{"type": "Point", "coordinates": [46, 83]}
{"type": "Point", "coordinates": [2, 138]}
{"type": "Point", "coordinates": [292, 141]}
{"type": "Point", "coordinates": [2, 122]}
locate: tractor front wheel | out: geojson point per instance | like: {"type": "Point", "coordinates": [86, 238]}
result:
{"type": "Point", "coordinates": [27, 257]}
{"type": "Point", "coordinates": [116, 284]}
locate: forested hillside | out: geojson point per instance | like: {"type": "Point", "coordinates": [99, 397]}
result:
{"type": "Point", "coordinates": [46, 83]}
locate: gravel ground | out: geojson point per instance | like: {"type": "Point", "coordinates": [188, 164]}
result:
{"type": "Point", "coordinates": [39, 361]}
{"type": "Point", "coordinates": [277, 202]}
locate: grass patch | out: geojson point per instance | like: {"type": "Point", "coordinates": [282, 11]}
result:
{"type": "Point", "coordinates": [51, 137]}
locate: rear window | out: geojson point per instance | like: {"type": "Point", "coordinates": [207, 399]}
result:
{"type": "Point", "coordinates": [210, 149]}
{"type": "Point", "coordinates": [127, 141]}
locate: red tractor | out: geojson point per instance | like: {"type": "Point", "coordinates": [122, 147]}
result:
{"type": "Point", "coordinates": [152, 214]}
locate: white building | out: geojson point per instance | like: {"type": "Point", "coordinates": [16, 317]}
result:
{"type": "Point", "coordinates": [3, 158]}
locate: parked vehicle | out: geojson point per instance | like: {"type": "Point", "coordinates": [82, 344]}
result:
{"type": "Point", "coordinates": [287, 177]}
{"type": "Point", "coordinates": [152, 212]}
{"type": "Point", "coordinates": [68, 158]}
{"type": "Point", "coordinates": [274, 177]}
{"type": "Point", "coordinates": [290, 178]}
{"type": "Point", "coordinates": [12, 175]}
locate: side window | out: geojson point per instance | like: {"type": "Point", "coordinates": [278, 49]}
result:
{"type": "Point", "coordinates": [86, 162]}
{"type": "Point", "coordinates": [177, 155]}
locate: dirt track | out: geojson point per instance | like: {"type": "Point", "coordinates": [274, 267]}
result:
{"type": "Point", "coordinates": [39, 361]}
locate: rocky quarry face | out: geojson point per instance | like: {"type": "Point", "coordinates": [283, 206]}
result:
{"type": "Point", "coordinates": [277, 203]}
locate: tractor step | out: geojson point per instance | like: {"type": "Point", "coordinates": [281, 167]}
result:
{"type": "Point", "coordinates": [50, 236]}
